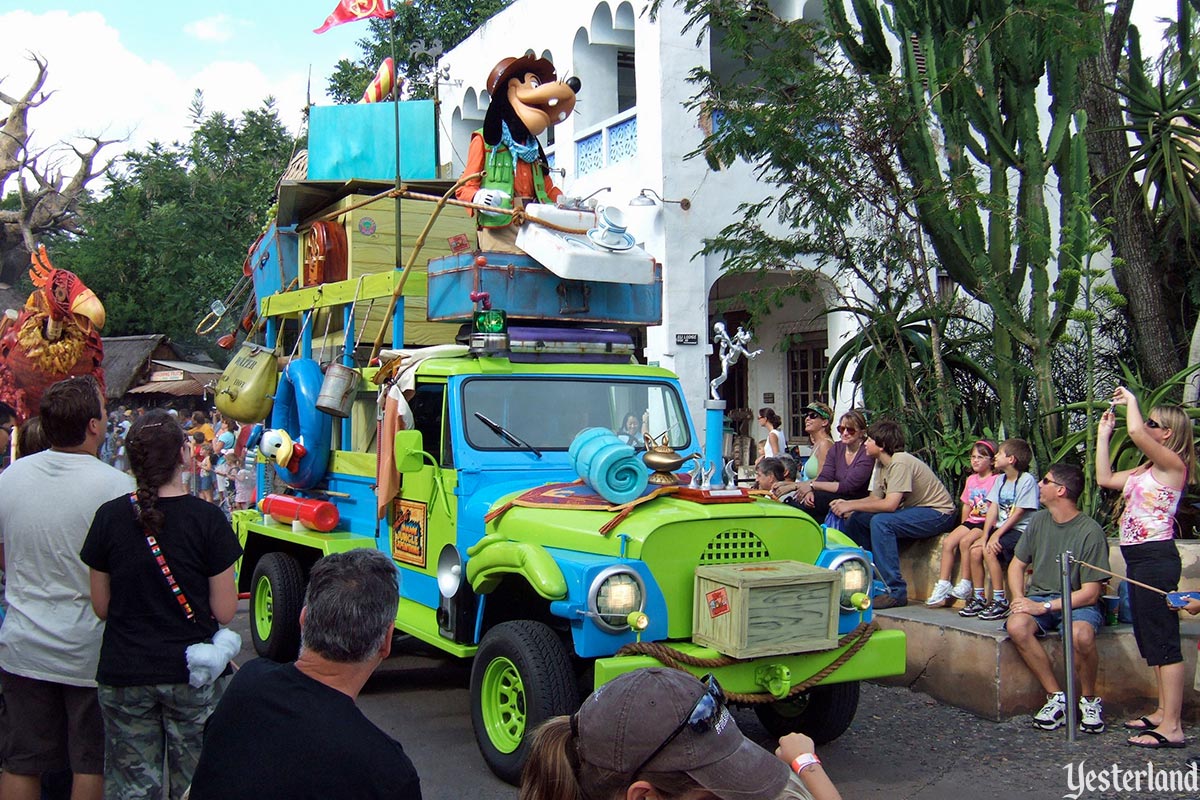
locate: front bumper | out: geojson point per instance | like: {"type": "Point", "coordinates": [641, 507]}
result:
{"type": "Point", "coordinates": [881, 656]}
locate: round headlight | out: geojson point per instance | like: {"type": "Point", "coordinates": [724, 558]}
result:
{"type": "Point", "coordinates": [616, 593]}
{"type": "Point", "coordinates": [856, 579]}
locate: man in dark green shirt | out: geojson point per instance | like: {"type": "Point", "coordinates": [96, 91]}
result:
{"type": "Point", "coordinates": [1060, 526]}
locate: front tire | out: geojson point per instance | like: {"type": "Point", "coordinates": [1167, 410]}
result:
{"type": "Point", "coordinates": [823, 712]}
{"type": "Point", "coordinates": [521, 677]}
{"type": "Point", "coordinates": [276, 596]}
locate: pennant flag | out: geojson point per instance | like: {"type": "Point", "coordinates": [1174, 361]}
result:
{"type": "Point", "coordinates": [352, 10]}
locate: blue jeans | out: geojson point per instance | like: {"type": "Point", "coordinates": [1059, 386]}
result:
{"type": "Point", "coordinates": [879, 532]}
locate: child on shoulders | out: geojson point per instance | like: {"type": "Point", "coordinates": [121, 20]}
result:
{"type": "Point", "coordinates": [1013, 496]}
{"type": "Point", "coordinates": [974, 513]}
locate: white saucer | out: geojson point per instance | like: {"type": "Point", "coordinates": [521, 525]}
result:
{"type": "Point", "coordinates": [596, 235]}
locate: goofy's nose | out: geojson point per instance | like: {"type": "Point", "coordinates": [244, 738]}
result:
{"type": "Point", "coordinates": [574, 83]}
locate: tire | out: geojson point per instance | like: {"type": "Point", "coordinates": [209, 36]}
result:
{"type": "Point", "coordinates": [823, 713]}
{"type": "Point", "coordinates": [521, 677]}
{"type": "Point", "coordinates": [276, 596]}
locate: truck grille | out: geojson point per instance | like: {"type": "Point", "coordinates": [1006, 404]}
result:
{"type": "Point", "coordinates": [733, 547]}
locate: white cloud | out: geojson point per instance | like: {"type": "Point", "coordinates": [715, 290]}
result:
{"type": "Point", "coordinates": [102, 88]}
{"type": "Point", "coordinates": [218, 29]}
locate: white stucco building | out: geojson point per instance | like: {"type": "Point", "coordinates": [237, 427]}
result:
{"type": "Point", "coordinates": [631, 131]}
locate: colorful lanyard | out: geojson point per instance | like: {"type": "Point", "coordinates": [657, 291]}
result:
{"type": "Point", "coordinates": [157, 552]}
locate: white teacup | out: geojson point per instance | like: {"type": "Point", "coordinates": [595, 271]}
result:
{"type": "Point", "coordinates": [611, 222]}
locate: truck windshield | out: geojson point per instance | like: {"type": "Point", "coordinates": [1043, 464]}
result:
{"type": "Point", "coordinates": [548, 413]}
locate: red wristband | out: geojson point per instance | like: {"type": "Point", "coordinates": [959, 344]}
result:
{"type": "Point", "coordinates": [804, 761]}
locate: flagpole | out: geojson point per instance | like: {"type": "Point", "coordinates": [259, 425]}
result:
{"type": "Point", "coordinates": [398, 319]}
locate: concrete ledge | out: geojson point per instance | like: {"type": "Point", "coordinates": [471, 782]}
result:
{"type": "Point", "coordinates": [921, 560]}
{"type": "Point", "coordinates": [971, 664]}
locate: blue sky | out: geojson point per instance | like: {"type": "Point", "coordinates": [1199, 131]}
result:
{"type": "Point", "coordinates": [128, 68]}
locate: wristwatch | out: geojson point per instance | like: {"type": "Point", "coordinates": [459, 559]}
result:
{"type": "Point", "coordinates": [1046, 605]}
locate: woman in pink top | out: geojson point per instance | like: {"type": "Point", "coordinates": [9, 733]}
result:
{"type": "Point", "coordinates": [1151, 493]}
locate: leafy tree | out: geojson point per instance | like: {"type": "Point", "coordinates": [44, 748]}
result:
{"type": "Point", "coordinates": [171, 232]}
{"type": "Point", "coordinates": [423, 30]}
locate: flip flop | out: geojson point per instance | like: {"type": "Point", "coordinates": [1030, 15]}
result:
{"type": "Point", "coordinates": [1160, 742]}
{"type": "Point", "coordinates": [1139, 724]}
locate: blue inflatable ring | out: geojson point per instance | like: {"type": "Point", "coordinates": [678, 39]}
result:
{"type": "Point", "coordinates": [295, 411]}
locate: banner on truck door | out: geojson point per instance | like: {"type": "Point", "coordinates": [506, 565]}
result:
{"type": "Point", "coordinates": [410, 535]}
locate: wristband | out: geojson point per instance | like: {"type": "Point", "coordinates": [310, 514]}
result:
{"type": "Point", "coordinates": [804, 761]}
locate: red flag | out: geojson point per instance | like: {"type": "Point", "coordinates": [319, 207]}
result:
{"type": "Point", "coordinates": [352, 10]}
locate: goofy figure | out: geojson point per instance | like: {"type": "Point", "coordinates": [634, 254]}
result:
{"type": "Point", "coordinates": [527, 98]}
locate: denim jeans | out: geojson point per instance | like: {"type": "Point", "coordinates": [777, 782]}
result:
{"type": "Point", "coordinates": [878, 532]}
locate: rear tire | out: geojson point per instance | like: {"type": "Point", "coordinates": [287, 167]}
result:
{"type": "Point", "coordinates": [823, 712]}
{"type": "Point", "coordinates": [521, 677]}
{"type": "Point", "coordinates": [276, 596]}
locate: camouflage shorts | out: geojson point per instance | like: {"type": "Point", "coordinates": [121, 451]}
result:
{"type": "Point", "coordinates": [143, 725]}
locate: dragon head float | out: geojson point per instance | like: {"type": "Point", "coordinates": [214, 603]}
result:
{"type": "Point", "coordinates": [56, 335]}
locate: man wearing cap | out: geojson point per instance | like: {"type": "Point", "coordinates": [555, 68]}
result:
{"type": "Point", "coordinates": [908, 502]}
{"type": "Point", "coordinates": [527, 98]}
{"type": "Point", "coordinates": [294, 730]}
{"type": "Point", "coordinates": [659, 732]}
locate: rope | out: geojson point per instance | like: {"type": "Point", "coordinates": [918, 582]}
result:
{"type": "Point", "coordinates": [1146, 586]}
{"type": "Point", "coordinates": [670, 657]}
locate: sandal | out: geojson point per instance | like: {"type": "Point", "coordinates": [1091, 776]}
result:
{"type": "Point", "coordinates": [1159, 742]}
{"type": "Point", "coordinates": [1139, 724]}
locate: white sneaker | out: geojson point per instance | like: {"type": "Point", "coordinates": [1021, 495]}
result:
{"type": "Point", "coordinates": [962, 590]}
{"type": "Point", "coordinates": [941, 593]}
{"type": "Point", "coordinates": [1090, 715]}
{"type": "Point", "coordinates": [1052, 715]}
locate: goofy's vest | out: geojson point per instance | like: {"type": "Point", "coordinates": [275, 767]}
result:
{"type": "Point", "coordinates": [499, 173]}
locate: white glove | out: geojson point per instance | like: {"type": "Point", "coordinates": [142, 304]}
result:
{"type": "Point", "coordinates": [490, 197]}
{"type": "Point", "coordinates": [207, 661]}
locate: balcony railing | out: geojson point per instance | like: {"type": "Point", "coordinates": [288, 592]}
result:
{"type": "Point", "coordinates": [611, 142]}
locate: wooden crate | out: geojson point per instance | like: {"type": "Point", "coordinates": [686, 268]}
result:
{"type": "Point", "coordinates": [766, 608]}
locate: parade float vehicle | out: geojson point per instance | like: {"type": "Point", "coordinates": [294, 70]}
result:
{"type": "Point", "coordinates": [528, 536]}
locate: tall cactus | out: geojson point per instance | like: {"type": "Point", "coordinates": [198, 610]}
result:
{"type": "Point", "coordinates": [973, 145]}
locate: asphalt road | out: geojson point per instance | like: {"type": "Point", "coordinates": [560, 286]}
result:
{"type": "Point", "coordinates": [902, 744]}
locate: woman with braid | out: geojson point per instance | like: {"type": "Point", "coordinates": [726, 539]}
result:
{"type": "Point", "coordinates": [161, 566]}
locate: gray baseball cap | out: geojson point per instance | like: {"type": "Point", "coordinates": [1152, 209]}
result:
{"type": "Point", "coordinates": [624, 721]}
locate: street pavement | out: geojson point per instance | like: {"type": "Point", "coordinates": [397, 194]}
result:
{"type": "Point", "coordinates": [903, 745]}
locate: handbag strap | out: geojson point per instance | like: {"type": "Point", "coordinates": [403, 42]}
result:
{"type": "Point", "coordinates": [163, 566]}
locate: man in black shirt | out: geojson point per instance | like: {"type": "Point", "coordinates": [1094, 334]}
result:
{"type": "Point", "coordinates": [293, 730]}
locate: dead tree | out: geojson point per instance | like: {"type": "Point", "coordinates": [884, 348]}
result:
{"type": "Point", "coordinates": [46, 198]}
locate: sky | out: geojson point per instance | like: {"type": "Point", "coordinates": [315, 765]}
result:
{"type": "Point", "coordinates": [127, 69]}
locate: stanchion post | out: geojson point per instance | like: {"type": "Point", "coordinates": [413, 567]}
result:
{"type": "Point", "coordinates": [1068, 646]}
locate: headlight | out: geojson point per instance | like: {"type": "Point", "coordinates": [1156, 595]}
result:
{"type": "Point", "coordinates": [615, 593]}
{"type": "Point", "coordinates": [856, 579]}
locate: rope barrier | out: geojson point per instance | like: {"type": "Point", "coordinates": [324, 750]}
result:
{"type": "Point", "coordinates": [1146, 586]}
{"type": "Point", "coordinates": [670, 657]}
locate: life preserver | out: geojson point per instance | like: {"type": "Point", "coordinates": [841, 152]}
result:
{"type": "Point", "coordinates": [295, 411]}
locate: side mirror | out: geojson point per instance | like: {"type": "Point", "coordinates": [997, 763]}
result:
{"type": "Point", "coordinates": [410, 451]}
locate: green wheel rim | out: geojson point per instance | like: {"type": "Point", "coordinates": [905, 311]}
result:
{"type": "Point", "coordinates": [264, 608]}
{"type": "Point", "coordinates": [502, 702]}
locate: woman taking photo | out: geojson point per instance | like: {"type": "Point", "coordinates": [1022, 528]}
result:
{"type": "Point", "coordinates": [660, 733]}
{"type": "Point", "coordinates": [846, 473]}
{"type": "Point", "coordinates": [162, 576]}
{"type": "Point", "coordinates": [1151, 494]}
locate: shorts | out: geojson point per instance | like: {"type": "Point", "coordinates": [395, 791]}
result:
{"type": "Point", "coordinates": [1155, 625]}
{"type": "Point", "coordinates": [1008, 547]}
{"type": "Point", "coordinates": [1052, 620]}
{"type": "Point", "coordinates": [205, 484]}
{"type": "Point", "coordinates": [973, 525]}
{"type": "Point", "coordinates": [50, 727]}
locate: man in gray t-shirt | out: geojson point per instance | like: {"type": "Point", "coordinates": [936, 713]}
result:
{"type": "Point", "coordinates": [50, 640]}
{"type": "Point", "coordinates": [1059, 527]}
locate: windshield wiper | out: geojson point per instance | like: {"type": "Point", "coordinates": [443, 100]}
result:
{"type": "Point", "coordinates": [500, 431]}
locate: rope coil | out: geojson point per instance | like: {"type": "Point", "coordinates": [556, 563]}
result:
{"type": "Point", "coordinates": [670, 657]}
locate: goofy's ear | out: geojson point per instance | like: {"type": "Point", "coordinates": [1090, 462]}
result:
{"type": "Point", "coordinates": [492, 120]}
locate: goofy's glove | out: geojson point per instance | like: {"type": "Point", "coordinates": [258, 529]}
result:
{"type": "Point", "coordinates": [491, 197]}
{"type": "Point", "coordinates": [207, 661]}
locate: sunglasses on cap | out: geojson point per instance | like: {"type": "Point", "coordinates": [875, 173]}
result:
{"type": "Point", "coordinates": [702, 718]}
